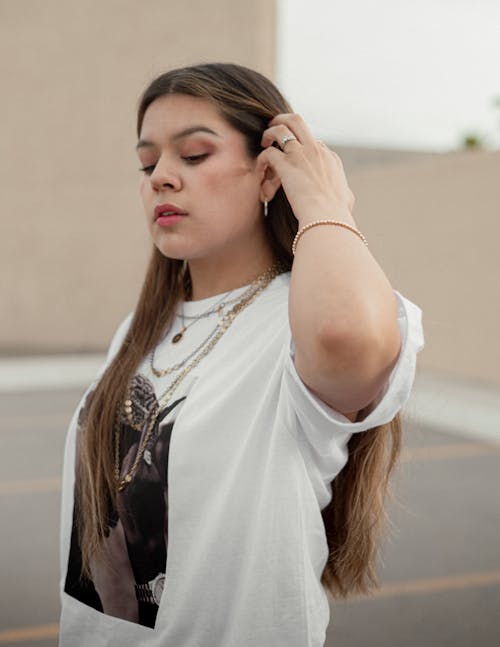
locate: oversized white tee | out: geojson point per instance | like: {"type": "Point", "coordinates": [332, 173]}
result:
{"type": "Point", "coordinates": [219, 541]}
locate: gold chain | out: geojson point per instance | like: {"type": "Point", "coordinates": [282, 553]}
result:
{"type": "Point", "coordinates": [155, 410]}
{"type": "Point", "coordinates": [166, 371]}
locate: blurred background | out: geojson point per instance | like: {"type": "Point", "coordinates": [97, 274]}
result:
{"type": "Point", "coordinates": [408, 94]}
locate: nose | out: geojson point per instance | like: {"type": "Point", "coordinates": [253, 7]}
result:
{"type": "Point", "coordinates": [163, 176]}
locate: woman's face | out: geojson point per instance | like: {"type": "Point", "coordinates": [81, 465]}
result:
{"type": "Point", "coordinates": [220, 191]}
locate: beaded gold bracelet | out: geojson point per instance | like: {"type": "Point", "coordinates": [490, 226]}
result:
{"type": "Point", "coordinates": [329, 222]}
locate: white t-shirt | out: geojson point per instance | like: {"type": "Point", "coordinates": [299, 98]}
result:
{"type": "Point", "coordinates": [225, 510]}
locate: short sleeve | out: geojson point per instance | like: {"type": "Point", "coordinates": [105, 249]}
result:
{"type": "Point", "coordinates": [318, 420]}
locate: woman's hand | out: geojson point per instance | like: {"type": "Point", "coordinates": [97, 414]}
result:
{"type": "Point", "coordinates": [311, 174]}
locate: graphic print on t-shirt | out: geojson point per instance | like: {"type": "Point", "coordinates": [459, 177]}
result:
{"type": "Point", "coordinates": [129, 583]}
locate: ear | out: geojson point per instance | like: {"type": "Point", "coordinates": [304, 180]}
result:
{"type": "Point", "coordinates": [269, 184]}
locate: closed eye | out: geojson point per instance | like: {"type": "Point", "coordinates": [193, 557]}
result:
{"type": "Point", "coordinates": [195, 158]}
{"type": "Point", "coordinates": [147, 169]}
{"type": "Point", "coordinates": [191, 159]}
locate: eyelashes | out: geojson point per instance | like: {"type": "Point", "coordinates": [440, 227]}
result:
{"type": "Point", "coordinates": [191, 159]}
{"type": "Point", "coordinates": [147, 169]}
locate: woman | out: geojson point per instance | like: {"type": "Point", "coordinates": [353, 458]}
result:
{"type": "Point", "coordinates": [216, 480]}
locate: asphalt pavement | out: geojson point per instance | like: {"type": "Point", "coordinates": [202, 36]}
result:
{"type": "Point", "coordinates": [439, 567]}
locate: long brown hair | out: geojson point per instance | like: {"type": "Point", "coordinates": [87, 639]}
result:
{"type": "Point", "coordinates": [355, 518]}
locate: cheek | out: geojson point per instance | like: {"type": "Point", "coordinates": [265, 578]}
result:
{"type": "Point", "coordinates": [144, 187]}
{"type": "Point", "coordinates": [211, 183]}
{"type": "Point", "coordinates": [226, 178]}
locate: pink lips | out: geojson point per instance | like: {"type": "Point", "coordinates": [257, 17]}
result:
{"type": "Point", "coordinates": [162, 208]}
{"type": "Point", "coordinates": [169, 220]}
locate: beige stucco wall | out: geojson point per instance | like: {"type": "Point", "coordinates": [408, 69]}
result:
{"type": "Point", "coordinates": [434, 227]}
{"type": "Point", "coordinates": [74, 245]}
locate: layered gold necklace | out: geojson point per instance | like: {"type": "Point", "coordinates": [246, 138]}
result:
{"type": "Point", "coordinates": [218, 308]}
{"type": "Point", "coordinates": [145, 423]}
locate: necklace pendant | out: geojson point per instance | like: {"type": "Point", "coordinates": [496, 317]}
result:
{"type": "Point", "coordinates": [176, 338]}
{"type": "Point", "coordinates": [147, 456]}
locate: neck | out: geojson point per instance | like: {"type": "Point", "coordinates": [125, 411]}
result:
{"type": "Point", "coordinates": [210, 277]}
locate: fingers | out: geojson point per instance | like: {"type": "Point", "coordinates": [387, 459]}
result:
{"type": "Point", "coordinates": [292, 124]}
{"type": "Point", "coordinates": [271, 156]}
{"type": "Point", "coordinates": [296, 125]}
{"type": "Point", "coordinates": [276, 134]}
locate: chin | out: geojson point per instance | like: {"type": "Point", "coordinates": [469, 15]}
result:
{"type": "Point", "coordinates": [169, 253]}
{"type": "Point", "coordinates": [168, 250]}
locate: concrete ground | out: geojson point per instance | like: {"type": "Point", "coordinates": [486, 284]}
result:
{"type": "Point", "coordinates": [439, 569]}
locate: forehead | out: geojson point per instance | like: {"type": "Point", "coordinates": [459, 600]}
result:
{"type": "Point", "coordinates": [172, 113]}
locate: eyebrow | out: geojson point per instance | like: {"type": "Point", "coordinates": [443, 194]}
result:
{"type": "Point", "coordinates": [143, 143]}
